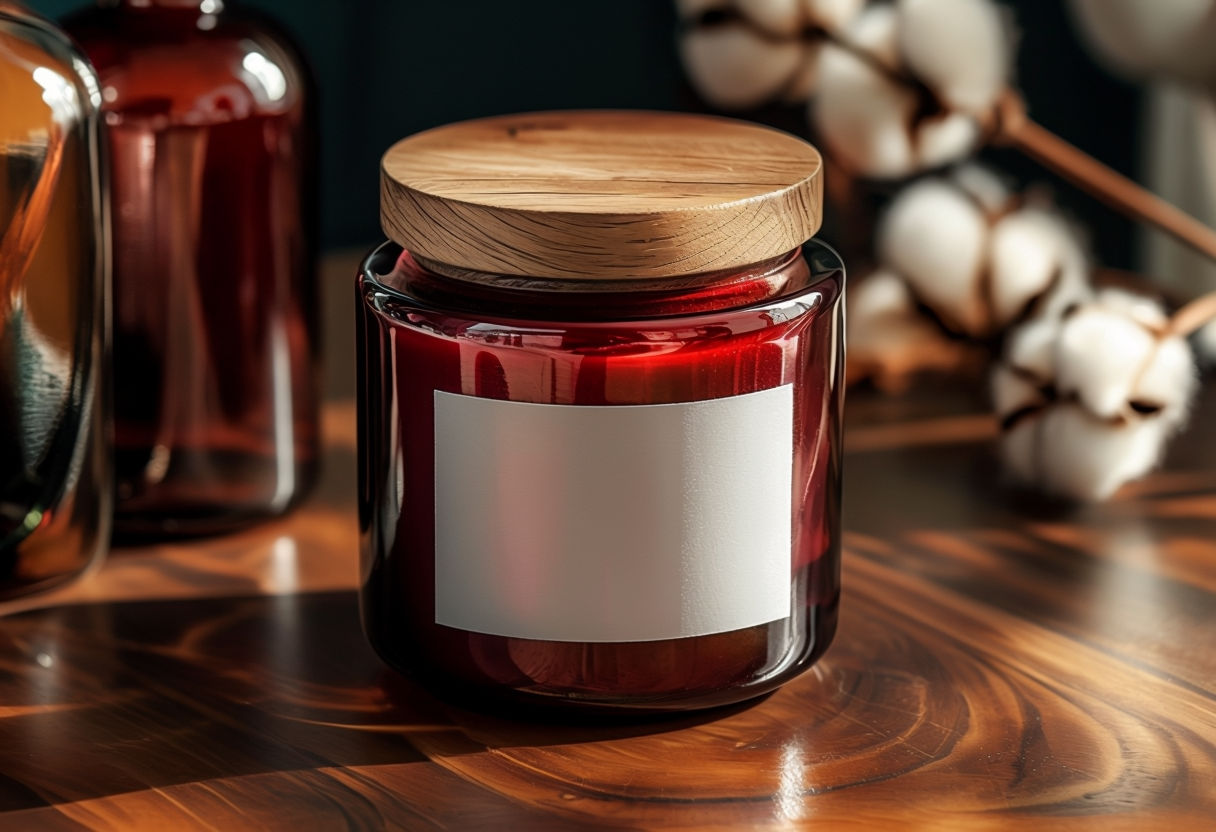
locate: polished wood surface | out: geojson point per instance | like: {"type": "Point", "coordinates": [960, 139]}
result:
{"type": "Point", "coordinates": [602, 193]}
{"type": "Point", "coordinates": [1002, 663]}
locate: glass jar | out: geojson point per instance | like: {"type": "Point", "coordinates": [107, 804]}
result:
{"type": "Point", "coordinates": [54, 460]}
{"type": "Point", "coordinates": [582, 486]}
{"type": "Point", "coordinates": [215, 324]}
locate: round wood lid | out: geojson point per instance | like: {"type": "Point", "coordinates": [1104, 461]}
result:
{"type": "Point", "coordinates": [601, 194]}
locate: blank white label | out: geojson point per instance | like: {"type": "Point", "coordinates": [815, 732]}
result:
{"type": "Point", "coordinates": [615, 523]}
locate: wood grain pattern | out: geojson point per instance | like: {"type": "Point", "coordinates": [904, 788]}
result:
{"type": "Point", "coordinates": [601, 194]}
{"type": "Point", "coordinates": [1002, 663]}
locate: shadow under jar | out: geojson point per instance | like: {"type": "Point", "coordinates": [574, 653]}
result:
{"type": "Point", "coordinates": [215, 320]}
{"type": "Point", "coordinates": [606, 483]}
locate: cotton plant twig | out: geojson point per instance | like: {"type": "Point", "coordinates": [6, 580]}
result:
{"type": "Point", "coordinates": [1193, 316]}
{"type": "Point", "coordinates": [1013, 127]}
{"type": "Point", "coordinates": [1007, 123]}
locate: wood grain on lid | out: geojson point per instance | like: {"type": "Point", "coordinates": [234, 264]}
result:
{"type": "Point", "coordinates": [601, 194]}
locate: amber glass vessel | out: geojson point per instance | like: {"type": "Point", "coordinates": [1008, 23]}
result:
{"type": "Point", "coordinates": [215, 332]}
{"type": "Point", "coordinates": [54, 461]}
{"type": "Point", "coordinates": [593, 472]}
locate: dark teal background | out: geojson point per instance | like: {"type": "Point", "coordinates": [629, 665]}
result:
{"type": "Point", "coordinates": [388, 68]}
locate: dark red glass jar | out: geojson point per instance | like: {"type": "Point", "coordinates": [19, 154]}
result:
{"type": "Point", "coordinates": [729, 335]}
{"type": "Point", "coordinates": [604, 491]}
{"type": "Point", "coordinates": [215, 321]}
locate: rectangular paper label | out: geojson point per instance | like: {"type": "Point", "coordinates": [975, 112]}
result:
{"type": "Point", "coordinates": [616, 523]}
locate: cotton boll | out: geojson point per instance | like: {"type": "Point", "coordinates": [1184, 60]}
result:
{"type": "Point", "coordinates": [1164, 388]}
{"type": "Point", "coordinates": [935, 237]}
{"type": "Point", "coordinates": [1168, 38]}
{"type": "Point", "coordinates": [944, 139]}
{"type": "Point", "coordinates": [880, 296]}
{"type": "Point", "coordinates": [1065, 450]}
{"type": "Point", "coordinates": [1031, 348]}
{"type": "Point", "coordinates": [868, 117]}
{"type": "Point", "coordinates": [958, 48]}
{"type": "Point", "coordinates": [881, 318]}
{"type": "Point", "coordinates": [1024, 264]}
{"type": "Point", "coordinates": [1099, 355]}
{"type": "Point", "coordinates": [1088, 401]}
{"type": "Point", "coordinates": [1143, 310]}
{"type": "Point", "coordinates": [1072, 289]}
{"type": "Point", "coordinates": [781, 17]}
{"type": "Point", "coordinates": [875, 32]}
{"type": "Point", "coordinates": [734, 67]}
{"type": "Point", "coordinates": [1082, 457]}
{"type": "Point", "coordinates": [1168, 381]}
{"type": "Point", "coordinates": [1021, 391]}
{"type": "Point", "coordinates": [1116, 352]}
{"type": "Point", "coordinates": [881, 313]}
{"type": "Point", "coordinates": [765, 49]}
{"type": "Point", "coordinates": [979, 265]}
{"type": "Point", "coordinates": [863, 117]}
{"type": "Point", "coordinates": [1035, 263]}
{"type": "Point", "coordinates": [982, 185]}
{"type": "Point", "coordinates": [888, 337]}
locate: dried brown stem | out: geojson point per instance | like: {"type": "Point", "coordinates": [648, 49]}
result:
{"type": "Point", "coordinates": [1197, 313]}
{"type": "Point", "coordinates": [1011, 125]}
{"type": "Point", "coordinates": [1015, 128]}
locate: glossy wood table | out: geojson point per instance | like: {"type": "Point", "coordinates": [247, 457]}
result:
{"type": "Point", "coordinates": [1002, 663]}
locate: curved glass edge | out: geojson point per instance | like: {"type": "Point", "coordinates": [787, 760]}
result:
{"type": "Point", "coordinates": [84, 489]}
{"type": "Point", "coordinates": [824, 262]}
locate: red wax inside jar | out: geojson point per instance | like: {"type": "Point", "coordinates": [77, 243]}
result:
{"type": "Point", "coordinates": [606, 345]}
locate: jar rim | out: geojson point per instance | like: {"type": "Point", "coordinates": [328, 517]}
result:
{"type": "Point", "coordinates": [529, 306]}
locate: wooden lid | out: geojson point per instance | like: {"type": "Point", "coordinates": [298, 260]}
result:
{"type": "Point", "coordinates": [601, 194]}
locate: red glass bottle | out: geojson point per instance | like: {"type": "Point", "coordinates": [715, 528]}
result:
{"type": "Point", "coordinates": [589, 487]}
{"type": "Point", "coordinates": [215, 324]}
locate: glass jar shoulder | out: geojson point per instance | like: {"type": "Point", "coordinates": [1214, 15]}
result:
{"type": "Point", "coordinates": [189, 67]}
{"type": "Point", "coordinates": [809, 284]}
{"type": "Point", "coordinates": [50, 201]}
{"type": "Point", "coordinates": [48, 86]}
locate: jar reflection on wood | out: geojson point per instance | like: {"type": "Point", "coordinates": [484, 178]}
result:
{"type": "Point", "coordinates": [216, 347]}
{"type": "Point", "coordinates": [597, 471]}
{"type": "Point", "coordinates": [54, 460]}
